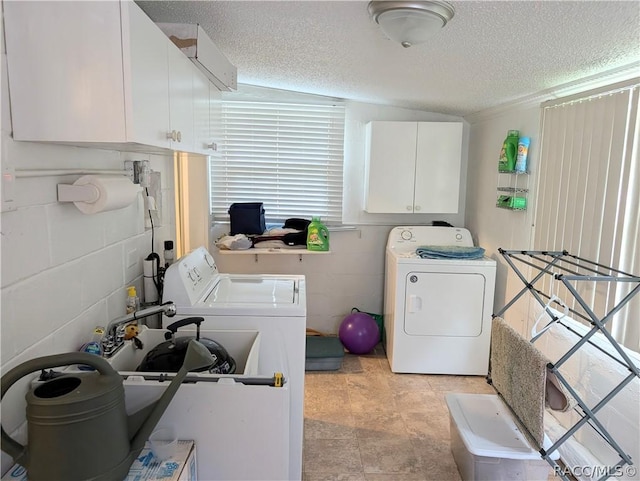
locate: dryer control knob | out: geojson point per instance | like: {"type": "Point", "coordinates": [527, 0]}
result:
{"type": "Point", "coordinates": [458, 236]}
{"type": "Point", "coordinates": [406, 234]}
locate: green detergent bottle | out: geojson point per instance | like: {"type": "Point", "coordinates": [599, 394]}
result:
{"type": "Point", "coordinates": [317, 236]}
{"type": "Point", "coordinates": [509, 152]}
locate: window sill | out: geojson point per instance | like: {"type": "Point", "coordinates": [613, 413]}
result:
{"type": "Point", "coordinates": [271, 250]}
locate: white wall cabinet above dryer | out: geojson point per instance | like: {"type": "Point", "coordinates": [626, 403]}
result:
{"type": "Point", "coordinates": [413, 167]}
{"type": "Point", "coordinates": [98, 74]}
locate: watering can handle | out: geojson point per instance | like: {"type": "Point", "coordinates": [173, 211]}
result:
{"type": "Point", "coordinates": [10, 445]}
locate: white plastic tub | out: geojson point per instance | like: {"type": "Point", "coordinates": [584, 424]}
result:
{"type": "Point", "coordinates": [488, 445]}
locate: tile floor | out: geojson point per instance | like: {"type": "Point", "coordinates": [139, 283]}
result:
{"type": "Point", "coordinates": [365, 423]}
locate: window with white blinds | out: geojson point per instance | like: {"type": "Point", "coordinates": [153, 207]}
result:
{"type": "Point", "coordinates": [287, 155]}
{"type": "Point", "coordinates": [589, 193]}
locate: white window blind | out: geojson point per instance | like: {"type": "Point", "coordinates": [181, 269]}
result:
{"type": "Point", "coordinates": [287, 155]}
{"type": "Point", "coordinates": [589, 194]}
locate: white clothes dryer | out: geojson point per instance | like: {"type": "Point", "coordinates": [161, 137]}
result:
{"type": "Point", "coordinates": [243, 432]}
{"type": "Point", "coordinates": [437, 313]}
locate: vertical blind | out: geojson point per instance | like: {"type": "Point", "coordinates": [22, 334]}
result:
{"type": "Point", "coordinates": [589, 194]}
{"type": "Point", "coordinates": [287, 155]}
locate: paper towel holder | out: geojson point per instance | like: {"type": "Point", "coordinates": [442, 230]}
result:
{"type": "Point", "coordinates": [92, 193]}
{"type": "Point", "coordinates": [77, 193]}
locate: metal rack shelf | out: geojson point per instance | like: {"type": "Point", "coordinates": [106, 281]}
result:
{"type": "Point", "coordinates": [571, 271]}
{"type": "Point", "coordinates": [513, 190]}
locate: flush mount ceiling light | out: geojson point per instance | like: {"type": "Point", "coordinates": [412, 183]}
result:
{"type": "Point", "coordinates": [410, 23]}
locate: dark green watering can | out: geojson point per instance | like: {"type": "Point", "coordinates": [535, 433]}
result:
{"type": "Point", "coordinates": [78, 428]}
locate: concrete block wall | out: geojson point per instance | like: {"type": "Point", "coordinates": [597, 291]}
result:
{"type": "Point", "coordinates": [350, 275]}
{"type": "Point", "coordinates": [63, 272]}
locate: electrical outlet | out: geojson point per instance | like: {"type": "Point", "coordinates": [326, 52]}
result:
{"type": "Point", "coordinates": [144, 174]}
{"type": "Point", "coordinates": [129, 170]}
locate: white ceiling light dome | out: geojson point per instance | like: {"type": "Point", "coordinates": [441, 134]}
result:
{"type": "Point", "coordinates": [410, 23]}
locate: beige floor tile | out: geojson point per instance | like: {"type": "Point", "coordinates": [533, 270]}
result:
{"type": "Point", "coordinates": [333, 477]}
{"type": "Point", "coordinates": [434, 426]}
{"type": "Point", "coordinates": [368, 382]}
{"type": "Point", "coordinates": [372, 364]}
{"type": "Point", "coordinates": [325, 380]}
{"type": "Point", "coordinates": [388, 455]}
{"type": "Point", "coordinates": [372, 402]}
{"type": "Point", "coordinates": [323, 401]}
{"type": "Point", "coordinates": [395, 477]}
{"type": "Point", "coordinates": [331, 425]}
{"type": "Point", "coordinates": [365, 423]}
{"type": "Point", "coordinates": [379, 424]}
{"type": "Point", "coordinates": [351, 364]}
{"type": "Point", "coordinates": [419, 401]}
{"type": "Point", "coordinates": [437, 459]}
{"type": "Point", "coordinates": [409, 382]}
{"type": "Point", "coordinates": [332, 456]}
{"type": "Point", "coordinates": [443, 382]}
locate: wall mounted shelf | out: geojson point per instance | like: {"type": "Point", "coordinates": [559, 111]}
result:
{"type": "Point", "coordinates": [513, 189]}
{"type": "Point", "coordinates": [272, 251]}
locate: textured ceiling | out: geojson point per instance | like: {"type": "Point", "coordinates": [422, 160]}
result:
{"type": "Point", "coordinates": [491, 52]}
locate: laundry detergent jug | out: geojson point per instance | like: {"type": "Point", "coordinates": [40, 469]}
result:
{"type": "Point", "coordinates": [509, 152]}
{"type": "Point", "coordinates": [317, 236]}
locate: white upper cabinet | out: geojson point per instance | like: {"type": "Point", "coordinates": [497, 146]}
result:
{"type": "Point", "coordinates": [206, 109]}
{"type": "Point", "coordinates": [100, 74]}
{"type": "Point", "coordinates": [181, 73]}
{"type": "Point", "coordinates": [147, 102]}
{"type": "Point", "coordinates": [413, 167]}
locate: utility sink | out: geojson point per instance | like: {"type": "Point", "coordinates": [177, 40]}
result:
{"type": "Point", "coordinates": [243, 346]}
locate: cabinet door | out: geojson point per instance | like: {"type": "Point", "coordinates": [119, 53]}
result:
{"type": "Point", "coordinates": [201, 114]}
{"type": "Point", "coordinates": [438, 159]}
{"type": "Point", "coordinates": [65, 70]}
{"type": "Point", "coordinates": [147, 68]}
{"type": "Point", "coordinates": [215, 117]}
{"type": "Point", "coordinates": [390, 166]}
{"type": "Point", "coordinates": [180, 98]}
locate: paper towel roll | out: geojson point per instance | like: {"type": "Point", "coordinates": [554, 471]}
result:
{"type": "Point", "coordinates": [113, 192]}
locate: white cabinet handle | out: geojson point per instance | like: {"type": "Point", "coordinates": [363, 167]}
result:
{"type": "Point", "coordinates": [409, 208]}
{"type": "Point", "coordinates": [417, 207]}
{"type": "Point", "coordinates": [212, 146]}
{"type": "Point", "coordinates": [179, 136]}
{"type": "Point", "coordinates": [415, 304]}
{"type": "Point", "coordinates": [173, 135]}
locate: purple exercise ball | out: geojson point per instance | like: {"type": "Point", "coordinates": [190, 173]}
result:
{"type": "Point", "coordinates": [359, 333]}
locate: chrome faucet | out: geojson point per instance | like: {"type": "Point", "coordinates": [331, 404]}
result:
{"type": "Point", "coordinates": [114, 333]}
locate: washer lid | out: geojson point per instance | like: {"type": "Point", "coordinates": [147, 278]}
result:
{"type": "Point", "coordinates": [198, 289]}
{"type": "Point", "coordinates": [252, 295]}
{"type": "Point", "coordinates": [253, 290]}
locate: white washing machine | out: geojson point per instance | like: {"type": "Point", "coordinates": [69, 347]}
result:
{"type": "Point", "coordinates": [242, 432]}
{"type": "Point", "coordinates": [437, 313]}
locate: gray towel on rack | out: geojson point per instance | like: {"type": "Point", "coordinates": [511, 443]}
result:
{"type": "Point", "coordinates": [519, 374]}
{"type": "Point", "coordinates": [450, 252]}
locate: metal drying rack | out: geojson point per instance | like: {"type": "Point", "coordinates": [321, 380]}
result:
{"type": "Point", "coordinates": [571, 271]}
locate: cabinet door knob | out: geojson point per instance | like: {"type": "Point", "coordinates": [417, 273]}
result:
{"type": "Point", "coordinates": [417, 207]}
{"type": "Point", "coordinates": [173, 135]}
{"type": "Point", "coordinates": [179, 136]}
{"type": "Point", "coordinates": [212, 146]}
{"type": "Point", "coordinates": [409, 208]}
